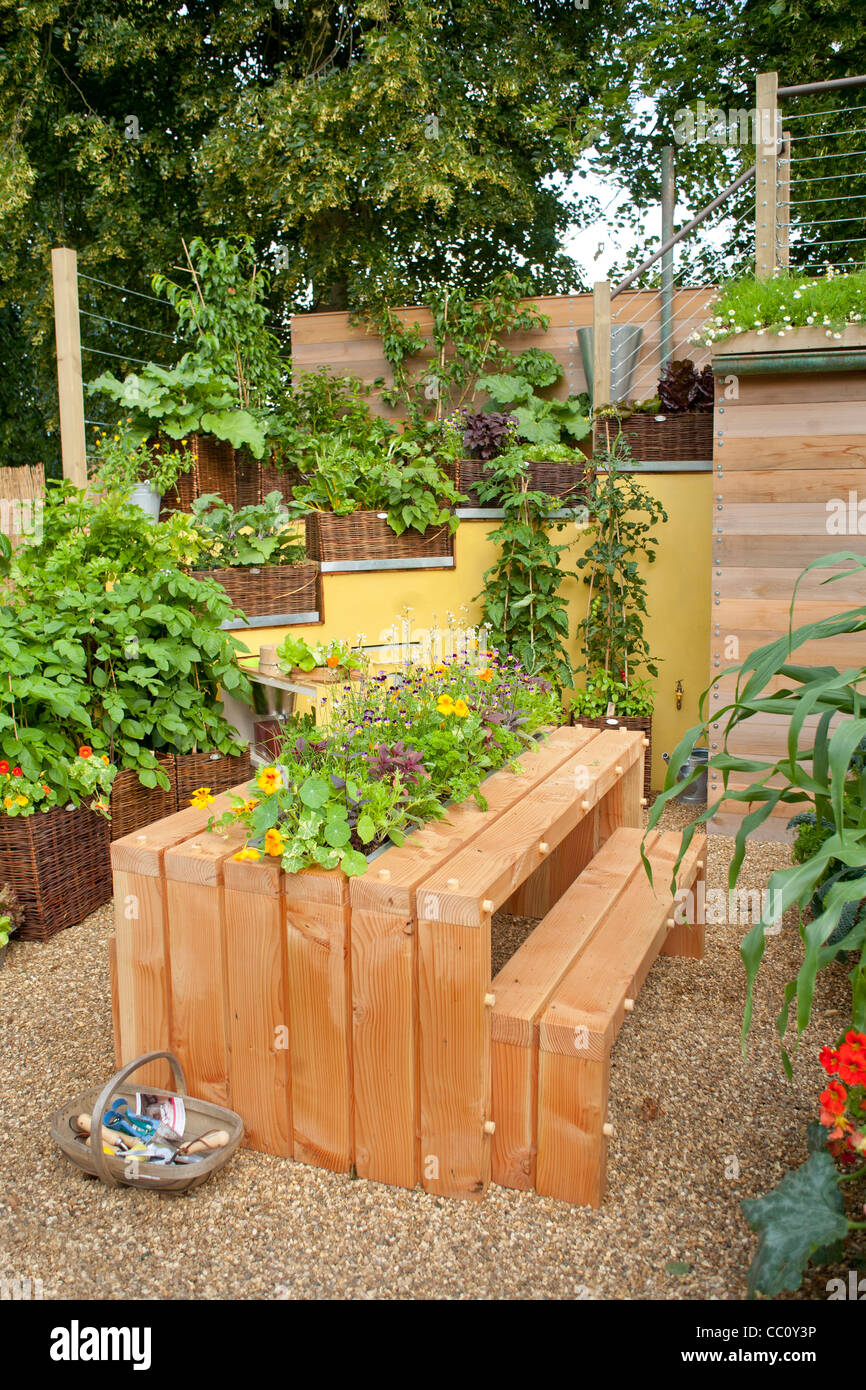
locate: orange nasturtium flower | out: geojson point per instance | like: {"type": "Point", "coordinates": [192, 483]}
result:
{"type": "Point", "coordinates": [8, 801]}
{"type": "Point", "coordinates": [248, 852]}
{"type": "Point", "coordinates": [85, 751]}
{"type": "Point", "coordinates": [274, 843]}
{"type": "Point", "coordinates": [202, 797]}
{"type": "Point", "coordinates": [486, 674]}
{"type": "Point", "coordinates": [269, 780]}
{"type": "Point", "coordinates": [834, 1099]}
{"type": "Point", "coordinates": [251, 804]}
{"type": "Point", "coordinates": [461, 709]}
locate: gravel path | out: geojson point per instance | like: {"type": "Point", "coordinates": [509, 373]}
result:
{"type": "Point", "coordinates": [697, 1128]}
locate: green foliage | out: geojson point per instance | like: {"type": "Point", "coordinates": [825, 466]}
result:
{"type": "Point", "coordinates": [803, 1218]}
{"type": "Point", "coordinates": [829, 773]}
{"type": "Point", "coordinates": [221, 308]}
{"type": "Point", "coordinates": [259, 534]}
{"type": "Point", "coordinates": [623, 516]}
{"type": "Point", "coordinates": [539, 421]}
{"type": "Point", "coordinates": [296, 653]}
{"type": "Point", "coordinates": [407, 483]}
{"type": "Point", "coordinates": [121, 462]}
{"type": "Point", "coordinates": [521, 603]}
{"type": "Point", "coordinates": [602, 690]}
{"type": "Point", "coordinates": [788, 301]}
{"type": "Point", "coordinates": [183, 400]}
{"type": "Point", "coordinates": [106, 642]}
{"type": "Point", "coordinates": [321, 405]}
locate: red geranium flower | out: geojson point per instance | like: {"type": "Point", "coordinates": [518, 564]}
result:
{"type": "Point", "coordinates": [16, 772]}
{"type": "Point", "coordinates": [852, 1059]}
{"type": "Point", "coordinates": [829, 1059]}
{"type": "Point", "coordinates": [834, 1099]}
{"type": "Point", "coordinates": [4, 767]}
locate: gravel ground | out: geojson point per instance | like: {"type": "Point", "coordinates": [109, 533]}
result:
{"type": "Point", "coordinates": [696, 1129]}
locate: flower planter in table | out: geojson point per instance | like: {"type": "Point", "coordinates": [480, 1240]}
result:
{"type": "Point", "coordinates": [365, 541]}
{"type": "Point", "coordinates": [57, 863]}
{"type": "Point", "coordinates": [343, 1019]}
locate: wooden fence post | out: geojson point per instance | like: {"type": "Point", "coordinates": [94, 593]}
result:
{"type": "Point", "coordinates": [600, 344]}
{"type": "Point", "coordinates": [70, 390]}
{"type": "Point", "coordinates": [766, 173]}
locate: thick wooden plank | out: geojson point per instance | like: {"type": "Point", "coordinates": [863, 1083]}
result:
{"type": "Point", "coordinates": [196, 940]}
{"type": "Point", "coordinates": [777, 551]}
{"type": "Point", "coordinates": [816, 486]}
{"type": "Point", "coordinates": [143, 979]}
{"type": "Point", "coordinates": [115, 1001]}
{"type": "Point", "coordinates": [143, 851]}
{"type": "Point", "coordinates": [579, 1026]}
{"type": "Point", "coordinates": [319, 1003]}
{"type": "Point", "coordinates": [835, 450]}
{"type": "Point", "coordinates": [794, 419]}
{"type": "Point", "coordinates": [754, 582]}
{"type": "Point", "coordinates": [258, 1014]}
{"type": "Point", "coordinates": [778, 388]}
{"type": "Point", "coordinates": [523, 988]}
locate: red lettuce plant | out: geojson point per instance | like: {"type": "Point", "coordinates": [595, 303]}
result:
{"type": "Point", "coordinates": [683, 388]}
{"type": "Point", "coordinates": [487, 433]}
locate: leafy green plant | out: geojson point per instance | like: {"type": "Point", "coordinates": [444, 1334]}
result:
{"type": "Point", "coordinates": [122, 461]}
{"type": "Point", "coordinates": [191, 398]}
{"type": "Point", "coordinates": [603, 690]}
{"type": "Point", "coordinates": [623, 516]}
{"type": "Point", "coordinates": [259, 534]}
{"type": "Point", "coordinates": [539, 421]}
{"type": "Point", "coordinates": [407, 483]}
{"type": "Point", "coordinates": [221, 308]}
{"type": "Point", "coordinates": [787, 301]}
{"type": "Point", "coordinates": [294, 653]}
{"type": "Point", "coordinates": [107, 643]}
{"type": "Point", "coordinates": [521, 603]}
{"type": "Point", "coordinates": [324, 404]}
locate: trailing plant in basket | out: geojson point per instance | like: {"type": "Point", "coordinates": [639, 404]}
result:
{"type": "Point", "coordinates": [260, 534]}
{"type": "Point", "coordinates": [521, 603]}
{"type": "Point", "coordinates": [804, 1218]}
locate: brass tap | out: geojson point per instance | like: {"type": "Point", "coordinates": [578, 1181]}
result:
{"type": "Point", "coordinates": [678, 693]}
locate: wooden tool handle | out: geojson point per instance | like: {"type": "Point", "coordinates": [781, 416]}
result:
{"type": "Point", "coordinates": [109, 1136]}
{"type": "Point", "coordinates": [214, 1139]}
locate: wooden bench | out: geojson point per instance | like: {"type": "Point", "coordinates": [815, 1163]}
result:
{"type": "Point", "coordinates": [560, 1002]}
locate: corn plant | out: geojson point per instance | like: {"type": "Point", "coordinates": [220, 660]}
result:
{"type": "Point", "coordinates": [829, 773]}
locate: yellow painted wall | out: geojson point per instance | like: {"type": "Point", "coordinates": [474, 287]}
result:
{"type": "Point", "coordinates": [678, 600]}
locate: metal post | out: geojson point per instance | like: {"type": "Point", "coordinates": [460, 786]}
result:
{"type": "Point", "coordinates": [766, 135]}
{"type": "Point", "coordinates": [667, 289]}
{"type": "Point", "coordinates": [70, 390]}
{"type": "Point", "coordinates": [784, 203]}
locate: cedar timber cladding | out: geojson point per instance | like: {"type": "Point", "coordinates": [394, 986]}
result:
{"type": "Point", "coordinates": [330, 340]}
{"type": "Point", "coordinates": [787, 445]}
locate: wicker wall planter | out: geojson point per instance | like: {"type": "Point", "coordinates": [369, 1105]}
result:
{"type": "Point", "coordinates": [213, 470]}
{"type": "Point", "coordinates": [688, 436]}
{"type": "Point", "coordinates": [272, 589]}
{"type": "Point", "coordinates": [134, 805]}
{"type": "Point", "coordinates": [58, 863]}
{"type": "Point", "coordinates": [565, 480]}
{"type": "Point", "coordinates": [642, 723]}
{"type": "Point", "coordinates": [367, 537]}
{"type": "Point", "coordinates": [248, 479]}
{"type": "Point", "coordinates": [281, 480]}
{"type": "Point", "coordinates": [219, 771]}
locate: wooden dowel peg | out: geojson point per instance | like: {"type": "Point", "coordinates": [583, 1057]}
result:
{"type": "Point", "coordinates": [543, 847]}
{"type": "Point", "coordinates": [489, 1126]}
{"type": "Point", "coordinates": [618, 770]}
{"type": "Point", "coordinates": [645, 742]}
{"type": "Point", "coordinates": [585, 806]}
{"type": "Point", "coordinates": [453, 883]}
{"type": "Point", "coordinates": [488, 905]}
{"type": "Point", "coordinates": [141, 838]}
{"type": "Point", "coordinates": [628, 1005]}
{"type": "Point", "coordinates": [644, 801]}
{"type": "Point", "coordinates": [700, 864]}
{"type": "Point", "coordinates": [385, 875]}
{"type": "Point", "coordinates": [489, 1000]}
{"type": "Point", "coordinates": [607, 1131]}
{"type": "Point", "coordinates": [670, 923]}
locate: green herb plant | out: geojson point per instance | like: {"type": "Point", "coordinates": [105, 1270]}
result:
{"type": "Point", "coordinates": [259, 534]}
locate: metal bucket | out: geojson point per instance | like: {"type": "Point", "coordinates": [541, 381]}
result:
{"type": "Point", "coordinates": [625, 341]}
{"type": "Point", "coordinates": [697, 790]}
{"type": "Point", "coordinates": [147, 499]}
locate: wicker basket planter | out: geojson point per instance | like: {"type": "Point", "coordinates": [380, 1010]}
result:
{"type": "Point", "coordinates": [367, 537]}
{"type": "Point", "coordinates": [248, 479]}
{"type": "Point", "coordinates": [687, 436]}
{"type": "Point", "coordinates": [219, 771]}
{"type": "Point", "coordinates": [213, 470]}
{"type": "Point", "coordinates": [565, 480]}
{"type": "Point", "coordinates": [281, 480]}
{"type": "Point", "coordinates": [58, 863]}
{"type": "Point", "coordinates": [642, 723]}
{"type": "Point", "coordinates": [134, 805]}
{"type": "Point", "coordinates": [271, 589]}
